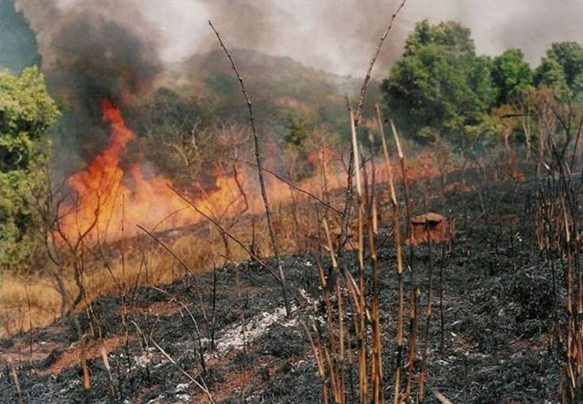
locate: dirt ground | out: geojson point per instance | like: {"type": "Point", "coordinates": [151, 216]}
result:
{"type": "Point", "coordinates": [496, 306]}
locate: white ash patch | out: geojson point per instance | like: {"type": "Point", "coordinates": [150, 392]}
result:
{"type": "Point", "coordinates": [70, 386]}
{"type": "Point", "coordinates": [236, 337]}
{"type": "Point", "coordinates": [143, 360]}
{"type": "Point", "coordinates": [308, 299]}
{"type": "Point", "coordinates": [157, 400]}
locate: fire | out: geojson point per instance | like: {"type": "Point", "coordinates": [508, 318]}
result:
{"type": "Point", "coordinates": [106, 197]}
{"type": "Point", "coordinates": [108, 200]}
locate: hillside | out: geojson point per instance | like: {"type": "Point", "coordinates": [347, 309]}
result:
{"type": "Point", "coordinates": [244, 349]}
{"type": "Point", "coordinates": [278, 86]}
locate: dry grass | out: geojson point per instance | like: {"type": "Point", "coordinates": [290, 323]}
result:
{"type": "Point", "coordinates": [27, 302]}
{"type": "Point", "coordinates": [34, 301]}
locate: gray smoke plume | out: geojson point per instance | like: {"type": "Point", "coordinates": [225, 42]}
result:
{"type": "Point", "coordinates": [92, 50]}
{"type": "Point", "coordinates": [341, 35]}
{"type": "Point", "coordinates": [334, 35]}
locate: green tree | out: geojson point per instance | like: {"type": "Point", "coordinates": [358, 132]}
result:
{"type": "Point", "coordinates": [296, 130]}
{"type": "Point", "coordinates": [440, 87]}
{"type": "Point", "coordinates": [26, 113]}
{"type": "Point", "coordinates": [562, 70]}
{"type": "Point", "coordinates": [449, 35]}
{"type": "Point", "coordinates": [551, 74]}
{"type": "Point", "coordinates": [511, 75]}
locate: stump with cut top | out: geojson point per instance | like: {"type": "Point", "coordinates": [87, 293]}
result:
{"type": "Point", "coordinates": [432, 226]}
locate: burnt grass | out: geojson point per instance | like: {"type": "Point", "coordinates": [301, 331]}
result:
{"type": "Point", "coordinates": [497, 304]}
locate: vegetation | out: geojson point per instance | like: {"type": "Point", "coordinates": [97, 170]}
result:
{"type": "Point", "coordinates": [193, 130]}
{"type": "Point", "coordinates": [511, 76]}
{"type": "Point", "coordinates": [27, 111]}
{"type": "Point", "coordinates": [440, 87]}
{"type": "Point", "coordinates": [562, 70]}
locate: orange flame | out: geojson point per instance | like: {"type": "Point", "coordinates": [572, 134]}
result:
{"type": "Point", "coordinates": [109, 201]}
{"type": "Point", "coordinates": [106, 196]}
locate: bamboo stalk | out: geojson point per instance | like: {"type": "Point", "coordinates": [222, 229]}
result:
{"type": "Point", "coordinates": [399, 251]}
{"type": "Point", "coordinates": [414, 291]}
{"type": "Point", "coordinates": [357, 118]}
{"type": "Point", "coordinates": [429, 309]}
{"type": "Point", "coordinates": [362, 347]}
{"type": "Point", "coordinates": [268, 213]}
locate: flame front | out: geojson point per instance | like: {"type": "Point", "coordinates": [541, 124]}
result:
{"type": "Point", "coordinates": [106, 196]}
{"type": "Point", "coordinates": [108, 201]}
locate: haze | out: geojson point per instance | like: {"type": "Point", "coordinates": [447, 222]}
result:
{"type": "Point", "coordinates": [333, 35]}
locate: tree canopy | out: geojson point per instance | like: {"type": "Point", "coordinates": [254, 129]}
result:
{"type": "Point", "coordinates": [18, 45]}
{"type": "Point", "coordinates": [511, 75]}
{"type": "Point", "coordinates": [440, 87]}
{"type": "Point", "coordinates": [562, 70]}
{"type": "Point", "coordinates": [26, 112]}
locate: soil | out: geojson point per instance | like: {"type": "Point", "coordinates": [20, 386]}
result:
{"type": "Point", "coordinates": [497, 302]}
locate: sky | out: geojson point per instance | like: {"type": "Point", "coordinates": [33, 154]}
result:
{"type": "Point", "coordinates": [334, 35]}
{"type": "Point", "coordinates": [340, 35]}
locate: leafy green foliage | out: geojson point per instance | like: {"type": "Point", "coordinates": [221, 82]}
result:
{"type": "Point", "coordinates": [296, 130]}
{"type": "Point", "coordinates": [449, 35]}
{"type": "Point", "coordinates": [511, 75]}
{"type": "Point", "coordinates": [26, 112]}
{"type": "Point", "coordinates": [562, 70]}
{"type": "Point", "coordinates": [551, 74]}
{"type": "Point", "coordinates": [570, 57]}
{"type": "Point", "coordinates": [440, 87]}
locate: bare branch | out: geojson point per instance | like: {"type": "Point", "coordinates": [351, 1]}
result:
{"type": "Point", "coordinates": [226, 233]}
{"type": "Point", "coordinates": [303, 191]}
{"type": "Point", "coordinates": [184, 372]}
{"type": "Point", "coordinates": [259, 172]}
{"type": "Point", "coordinates": [360, 104]}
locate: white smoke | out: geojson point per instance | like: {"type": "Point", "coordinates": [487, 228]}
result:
{"type": "Point", "coordinates": [339, 35]}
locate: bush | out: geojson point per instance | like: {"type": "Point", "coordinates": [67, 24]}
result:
{"type": "Point", "coordinates": [26, 113]}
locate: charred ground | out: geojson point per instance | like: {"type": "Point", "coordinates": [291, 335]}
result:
{"type": "Point", "coordinates": [497, 304]}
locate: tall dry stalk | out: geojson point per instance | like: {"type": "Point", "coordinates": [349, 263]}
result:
{"type": "Point", "coordinates": [429, 308]}
{"type": "Point", "coordinates": [399, 249]}
{"type": "Point", "coordinates": [558, 218]}
{"type": "Point", "coordinates": [357, 118]}
{"type": "Point", "coordinates": [377, 349]}
{"type": "Point", "coordinates": [414, 291]}
{"type": "Point", "coordinates": [268, 213]}
{"type": "Point", "coordinates": [361, 307]}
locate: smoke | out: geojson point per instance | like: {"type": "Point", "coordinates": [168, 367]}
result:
{"type": "Point", "coordinates": [336, 36]}
{"type": "Point", "coordinates": [107, 39]}
{"type": "Point", "coordinates": [95, 50]}
{"type": "Point", "coordinates": [341, 35]}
